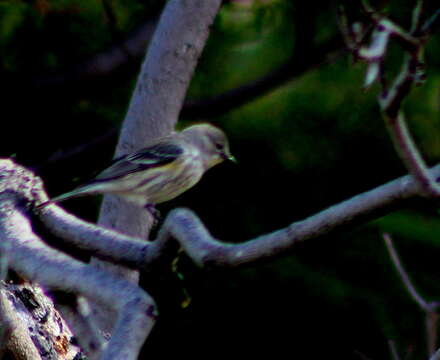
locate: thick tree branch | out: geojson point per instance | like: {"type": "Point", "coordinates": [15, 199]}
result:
{"type": "Point", "coordinates": [29, 256]}
{"type": "Point", "coordinates": [36, 261]}
{"type": "Point", "coordinates": [187, 229]}
{"type": "Point", "coordinates": [185, 226]}
{"type": "Point", "coordinates": [104, 243]}
{"type": "Point", "coordinates": [13, 333]}
{"type": "Point", "coordinates": [38, 331]}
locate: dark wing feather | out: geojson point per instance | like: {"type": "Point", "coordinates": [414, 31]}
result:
{"type": "Point", "coordinates": [152, 156]}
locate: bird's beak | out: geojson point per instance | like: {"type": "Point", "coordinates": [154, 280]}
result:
{"type": "Point", "coordinates": [229, 157]}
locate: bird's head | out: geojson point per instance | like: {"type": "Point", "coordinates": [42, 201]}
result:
{"type": "Point", "coordinates": [211, 141]}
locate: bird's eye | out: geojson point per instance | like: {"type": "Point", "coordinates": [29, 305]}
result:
{"type": "Point", "coordinates": [219, 146]}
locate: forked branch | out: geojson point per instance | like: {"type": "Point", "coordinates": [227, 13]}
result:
{"type": "Point", "coordinates": [412, 73]}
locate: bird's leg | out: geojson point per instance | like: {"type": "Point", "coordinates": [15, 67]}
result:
{"type": "Point", "coordinates": [154, 213]}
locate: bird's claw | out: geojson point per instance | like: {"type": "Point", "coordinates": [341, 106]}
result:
{"type": "Point", "coordinates": [154, 213]}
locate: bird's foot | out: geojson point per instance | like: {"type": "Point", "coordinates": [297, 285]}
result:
{"type": "Point", "coordinates": [154, 213]}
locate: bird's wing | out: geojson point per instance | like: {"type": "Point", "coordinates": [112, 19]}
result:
{"type": "Point", "coordinates": [158, 154]}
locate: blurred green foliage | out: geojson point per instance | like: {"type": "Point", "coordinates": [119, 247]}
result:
{"type": "Point", "coordinates": [243, 35]}
{"type": "Point", "coordinates": [301, 147]}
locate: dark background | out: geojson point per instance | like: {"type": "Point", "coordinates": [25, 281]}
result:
{"type": "Point", "coordinates": [313, 138]}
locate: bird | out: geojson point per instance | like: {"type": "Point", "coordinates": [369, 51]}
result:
{"type": "Point", "coordinates": [162, 170]}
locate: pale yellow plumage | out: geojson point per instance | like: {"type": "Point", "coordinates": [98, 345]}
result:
{"type": "Point", "coordinates": [164, 169]}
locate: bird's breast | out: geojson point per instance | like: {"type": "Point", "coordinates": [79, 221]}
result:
{"type": "Point", "coordinates": [169, 181]}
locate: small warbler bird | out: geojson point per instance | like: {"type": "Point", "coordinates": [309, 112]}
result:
{"type": "Point", "coordinates": [164, 169]}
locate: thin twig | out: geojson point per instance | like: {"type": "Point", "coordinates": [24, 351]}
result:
{"type": "Point", "coordinates": [416, 22]}
{"type": "Point", "coordinates": [410, 155]}
{"type": "Point", "coordinates": [393, 350]}
{"type": "Point", "coordinates": [429, 308]}
{"type": "Point", "coordinates": [404, 275]}
{"type": "Point", "coordinates": [391, 98]}
{"type": "Point", "coordinates": [431, 24]}
{"type": "Point", "coordinates": [361, 355]}
{"type": "Point", "coordinates": [390, 102]}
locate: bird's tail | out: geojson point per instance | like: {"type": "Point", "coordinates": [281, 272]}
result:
{"type": "Point", "coordinates": [84, 190]}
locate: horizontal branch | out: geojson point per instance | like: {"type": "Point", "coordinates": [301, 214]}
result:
{"type": "Point", "coordinates": [97, 241]}
{"type": "Point", "coordinates": [184, 226]}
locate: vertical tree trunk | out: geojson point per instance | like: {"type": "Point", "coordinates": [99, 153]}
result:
{"type": "Point", "coordinates": [157, 100]}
